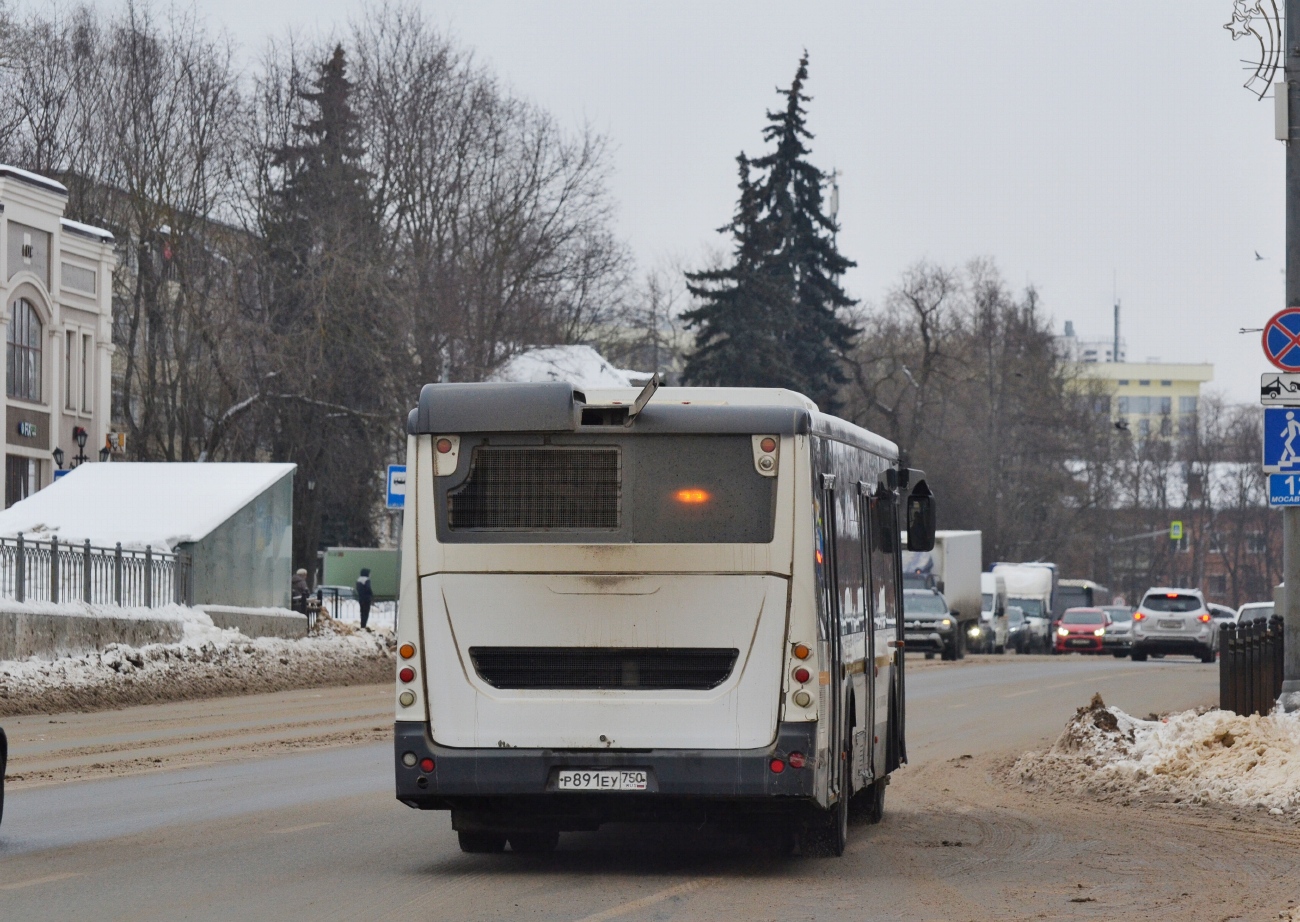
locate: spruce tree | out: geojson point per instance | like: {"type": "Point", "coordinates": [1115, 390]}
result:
{"type": "Point", "coordinates": [773, 318]}
{"type": "Point", "coordinates": [325, 297]}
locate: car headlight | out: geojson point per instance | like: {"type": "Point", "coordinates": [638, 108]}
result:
{"type": "Point", "coordinates": [946, 622]}
{"type": "Point", "coordinates": [1062, 632]}
{"type": "Point", "coordinates": [1100, 632]}
{"type": "Point", "coordinates": [974, 631]}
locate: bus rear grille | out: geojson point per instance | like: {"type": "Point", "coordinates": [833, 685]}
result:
{"type": "Point", "coordinates": [689, 668]}
{"type": "Point", "coordinates": [530, 488]}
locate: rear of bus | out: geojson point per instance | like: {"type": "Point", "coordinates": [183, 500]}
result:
{"type": "Point", "coordinates": [595, 624]}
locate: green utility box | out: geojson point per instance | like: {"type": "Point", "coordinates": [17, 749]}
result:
{"type": "Point", "coordinates": [344, 564]}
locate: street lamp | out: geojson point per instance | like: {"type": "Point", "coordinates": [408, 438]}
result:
{"type": "Point", "coordinates": [80, 435]}
{"type": "Point", "coordinates": [103, 453]}
{"type": "Point", "coordinates": [58, 457]}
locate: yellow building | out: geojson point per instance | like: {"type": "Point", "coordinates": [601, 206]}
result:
{"type": "Point", "coordinates": [1153, 398]}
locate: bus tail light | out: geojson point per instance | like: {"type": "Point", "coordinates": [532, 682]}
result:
{"type": "Point", "coordinates": [777, 766]}
{"type": "Point", "coordinates": [797, 760]}
{"type": "Point", "coordinates": [766, 448]}
{"type": "Point", "coordinates": [407, 674]}
{"type": "Point", "coordinates": [802, 675]}
{"type": "Point", "coordinates": [426, 765]}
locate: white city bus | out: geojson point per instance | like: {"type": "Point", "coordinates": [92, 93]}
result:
{"type": "Point", "coordinates": [622, 607]}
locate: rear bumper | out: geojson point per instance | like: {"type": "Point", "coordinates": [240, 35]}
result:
{"type": "Point", "coordinates": [695, 774]}
{"type": "Point", "coordinates": [1121, 642]}
{"type": "Point", "coordinates": [1187, 646]}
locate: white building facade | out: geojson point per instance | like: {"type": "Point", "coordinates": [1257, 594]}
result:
{"type": "Point", "coordinates": [56, 281]}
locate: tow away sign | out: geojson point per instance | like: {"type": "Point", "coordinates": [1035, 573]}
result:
{"type": "Point", "coordinates": [1278, 389]}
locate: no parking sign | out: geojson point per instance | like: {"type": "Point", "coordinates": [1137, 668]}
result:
{"type": "Point", "coordinates": [1282, 339]}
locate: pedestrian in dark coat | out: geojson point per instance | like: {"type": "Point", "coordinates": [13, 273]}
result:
{"type": "Point", "coordinates": [365, 595]}
{"type": "Point", "coordinates": [299, 590]}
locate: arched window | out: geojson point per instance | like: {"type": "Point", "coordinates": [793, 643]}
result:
{"type": "Point", "coordinates": [24, 352]}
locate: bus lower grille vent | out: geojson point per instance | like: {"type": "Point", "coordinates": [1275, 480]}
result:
{"type": "Point", "coordinates": [690, 668]}
{"type": "Point", "coordinates": [530, 488]}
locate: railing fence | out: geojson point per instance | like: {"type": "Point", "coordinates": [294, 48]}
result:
{"type": "Point", "coordinates": [54, 571]}
{"type": "Point", "coordinates": [1251, 665]}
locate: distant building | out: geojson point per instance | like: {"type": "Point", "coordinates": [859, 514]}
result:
{"type": "Point", "coordinates": [56, 278]}
{"type": "Point", "coordinates": [1153, 398]}
{"type": "Point", "coordinates": [1150, 398]}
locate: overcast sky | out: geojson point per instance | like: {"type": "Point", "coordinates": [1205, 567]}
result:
{"type": "Point", "coordinates": [1084, 146]}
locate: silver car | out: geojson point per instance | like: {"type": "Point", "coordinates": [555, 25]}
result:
{"type": "Point", "coordinates": [1255, 611]}
{"type": "Point", "coordinates": [1119, 635]}
{"type": "Point", "coordinates": [1174, 621]}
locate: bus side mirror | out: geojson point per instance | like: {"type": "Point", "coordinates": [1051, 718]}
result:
{"type": "Point", "coordinates": [920, 518]}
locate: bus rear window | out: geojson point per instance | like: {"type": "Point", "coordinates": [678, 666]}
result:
{"type": "Point", "coordinates": [648, 489]}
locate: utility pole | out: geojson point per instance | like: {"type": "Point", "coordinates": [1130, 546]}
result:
{"type": "Point", "coordinates": [1290, 698]}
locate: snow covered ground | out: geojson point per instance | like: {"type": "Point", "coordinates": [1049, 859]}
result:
{"type": "Point", "coordinates": [207, 662]}
{"type": "Point", "coordinates": [383, 615]}
{"type": "Point", "coordinates": [1195, 757]}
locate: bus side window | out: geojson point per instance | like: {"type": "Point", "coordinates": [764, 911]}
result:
{"type": "Point", "coordinates": [848, 563]}
{"type": "Point", "coordinates": [884, 540]}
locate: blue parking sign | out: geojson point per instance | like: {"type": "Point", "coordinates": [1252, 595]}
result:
{"type": "Point", "coordinates": [1282, 440]}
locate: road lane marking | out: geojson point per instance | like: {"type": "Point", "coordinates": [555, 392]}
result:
{"type": "Point", "coordinates": [621, 910]}
{"type": "Point", "coordinates": [303, 828]}
{"type": "Point", "coordinates": [39, 880]}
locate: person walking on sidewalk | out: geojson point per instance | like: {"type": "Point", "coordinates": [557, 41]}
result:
{"type": "Point", "coordinates": [365, 595]}
{"type": "Point", "coordinates": [299, 590]}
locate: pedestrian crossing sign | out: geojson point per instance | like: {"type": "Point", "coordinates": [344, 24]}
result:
{"type": "Point", "coordinates": [1175, 531]}
{"type": "Point", "coordinates": [1282, 440]}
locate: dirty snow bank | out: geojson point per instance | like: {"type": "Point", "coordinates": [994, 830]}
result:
{"type": "Point", "coordinates": [209, 662]}
{"type": "Point", "coordinates": [1210, 757]}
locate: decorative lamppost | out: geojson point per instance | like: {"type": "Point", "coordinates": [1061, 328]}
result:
{"type": "Point", "coordinates": [58, 457]}
{"type": "Point", "coordinates": [80, 435]}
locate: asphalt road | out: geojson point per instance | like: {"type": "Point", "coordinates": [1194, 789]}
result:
{"type": "Point", "coordinates": [317, 835]}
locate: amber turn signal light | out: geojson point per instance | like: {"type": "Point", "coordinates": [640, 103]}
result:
{"type": "Point", "coordinates": [406, 650]}
{"type": "Point", "coordinates": [801, 651]}
{"type": "Point", "coordinates": [692, 497]}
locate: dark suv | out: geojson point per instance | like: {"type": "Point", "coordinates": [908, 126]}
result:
{"type": "Point", "coordinates": [929, 626]}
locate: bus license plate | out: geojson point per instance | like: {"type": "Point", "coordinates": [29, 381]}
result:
{"type": "Point", "coordinates": [606, 780]}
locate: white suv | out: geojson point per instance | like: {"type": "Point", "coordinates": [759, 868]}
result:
{"type": "Point", "coordinates": [1174, 621]}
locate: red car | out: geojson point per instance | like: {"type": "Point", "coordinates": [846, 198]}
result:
{"type": "Point", "coordinates": [1081, 630]}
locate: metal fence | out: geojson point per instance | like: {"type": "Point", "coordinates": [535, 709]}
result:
{"type": "Point", "coordinates": [54, 571]}
{"type": "Point", "coordinates": [1251, 665]}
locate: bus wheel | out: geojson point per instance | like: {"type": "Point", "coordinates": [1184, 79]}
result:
{"type": "Point", "coordinates": [534, 841]}
{"type": "Point", "coordinates": [478, 842]}
{"type": "Point", "coordinates": [828, 834]}
{"type": "Point", "coordinates": [875, 797]}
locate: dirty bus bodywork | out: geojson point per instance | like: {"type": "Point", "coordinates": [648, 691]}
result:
{"type": "Point", "coordinates": [686, 612]}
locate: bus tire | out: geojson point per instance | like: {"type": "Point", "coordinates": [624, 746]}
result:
{"type": "Point", "coordinates": [876, 800]}
{"type": "Point", "coordinates": [534, 841]}
{"type": "Point", "coordinates": [479, 842]}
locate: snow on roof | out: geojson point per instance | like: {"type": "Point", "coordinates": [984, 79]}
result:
{"type": "Point", "coordinates": [581, 366]}
{"type": "Point", "coordinates": [34, 179]}
{"type": "Point", "coordinates": [87, 230]}
{"type": "Point", "coordinates": [140, 504]}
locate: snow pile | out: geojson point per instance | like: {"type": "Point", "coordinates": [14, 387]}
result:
{"type": "Point", "coordinates": [209, 662]}
{"type": "Point", "coordinates": [581, 366]}
{"type": "Point", "coordinates": [1210, 757]}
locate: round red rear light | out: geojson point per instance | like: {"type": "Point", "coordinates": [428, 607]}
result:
{"type": "Point", "coordinates": [426, 765]}
{"type": "Point", "coordinates": [444, 446]}
{"type": "Point", "coordinates": [797, 760]}
{"type": "Point", "coordinates": [768, 445]}
{"type": "Point", "coordinates": [777, 766]}
{"type": "Point", "coordinates": [802, 675]}
{"type": "Point", "coordinates": [407, 674]}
